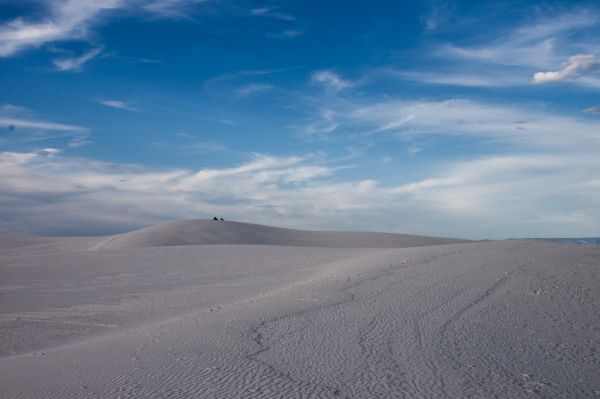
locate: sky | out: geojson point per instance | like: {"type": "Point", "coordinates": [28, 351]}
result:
{"type": "Point", "coordinates": [450, 118]}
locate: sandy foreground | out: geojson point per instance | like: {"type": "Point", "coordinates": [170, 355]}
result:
{"type": "Point", "coordinates": [208, 309]}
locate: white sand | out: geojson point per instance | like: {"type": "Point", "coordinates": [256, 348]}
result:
{"type": "Point", "coordinates": [142, 315]}
{"type": "Point", "coordinates": [203, 232]}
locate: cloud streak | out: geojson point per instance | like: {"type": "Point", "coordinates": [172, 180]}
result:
{"type": "Point", "coordinates": [42, 191]}
{"type": "Point", "coordinates": [63, 20]}
{"type": "Point", "coordinates": [517, 126]}
{"type": "Point", "coordinates": [477, 78]}
{"type": "Point", "coordinates": [271, 12]}
{"type": "Point", "coordinates": [593, 110]}
{"type": "Point", "coordinates": [511, 56]}
{"type": "Point", "coordinates": [24, 127]}
{"type": "Point", "coordinates": [254, 88]}
{"type": "Point", "coordinates": [575, 67]}
{"type": "Point", "coordinates": [117, 104]}
{"type": "Point", "coordinates": [74, 19]}
{"type": "Point", "coordinates": [533, 44]}
{"type": "Point", "coordinates": [38, 124]}
{"type": "Point", "coordinates": [74, 64]}
{"type": "Point", "coordinates": [331, 80]}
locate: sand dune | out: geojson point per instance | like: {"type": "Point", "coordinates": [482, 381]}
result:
{"type": "Point", "coordinates": [9, 241]}
{"type": "Point", "coordinates": [203, 232]}
{"type": "Point", "coordinates": [145, 315]}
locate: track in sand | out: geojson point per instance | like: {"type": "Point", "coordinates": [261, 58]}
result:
{"type": "Point", "coordinates": [190, 309]}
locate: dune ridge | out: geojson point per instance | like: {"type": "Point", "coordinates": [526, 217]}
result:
{"type": "Point", "coordinates": [207, 232]}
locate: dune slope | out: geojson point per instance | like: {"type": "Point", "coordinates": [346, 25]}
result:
{"type": "Point", "coordinates": [204, 232]}
{"type": "Point", "coordinates": [514, 318]}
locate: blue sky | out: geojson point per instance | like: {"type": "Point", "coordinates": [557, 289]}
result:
{"type": "Point", "coordinates": [435, 117]}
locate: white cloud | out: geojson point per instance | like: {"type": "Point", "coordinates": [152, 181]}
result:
{"type": "Point", "coordinates": [117, 104]}
{"type": "Point", "coordinates": [291, 33]}
{"type": "Point", "coordinates": [440, 13]}
{"type": "Point", "coordinates": [542, 171]}
{"type": "Point", "coordinates": [510, 56]}
{"type": "Point", "coordinates": [262, 183]}
{"type": "Point", "coordinates": [14, 117]}
{"type": "Point", "coordinates": [27, 127]}
{"type": "Point", "coordinates": [63, 20]}
{"type": "Point", "coordinates": [519, 126]}
{"type": "Point", "coordinates": [477, 78]}
{"type": "Point", "coordinates": [169, 8]}
{"type": "Point", "coordinates": [331, 80]}
{"type": "Point", "coordinates": [247, 90]}
{"type": "Point", "coordinates": [576, 66]}
{"type": "Point", "coordinates": [537, 43]}
{"type": "Point", "coordinates": [39, 124]}
{"type": "Point", "coordinates": [271, 12]}
{"type": "Point", "coordinates": [288, 33]}
{"type": "Point", "coordinates": [593, 110]}
{"type": "Point", "coordinates": [534, 188]}
{"type": "Point", "coordinates": [43, 191]}
{"type": "Point", "coordinates": [191, 144]}
{"type": "Point", "coordinates": [74, 64]}
{"type": "Point", "coordinates": [73, 19]}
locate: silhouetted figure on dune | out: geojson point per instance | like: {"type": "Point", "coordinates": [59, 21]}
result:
{"type": "Point", "coordinates": [215, 218]}
{"type": "Point", "coordinates": [222, 219]}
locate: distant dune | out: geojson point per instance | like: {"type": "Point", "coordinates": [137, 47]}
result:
{"type": "Point", "coordinates": [205, 232]}
{"type": "Point", "coordinates": [161, 312]}
{"type": "Point", "coordinates": [579, 240]}
{"type": "Point", "coordinates": [8, 241]}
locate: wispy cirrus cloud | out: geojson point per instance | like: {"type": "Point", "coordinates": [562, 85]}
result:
{"type": "Point", "coordinates": [440, 12]}
{"type": "Point", "coordinates": [192, 144]}
{"type": "Point", "coordinates": [593, 110]}
{"type": "Point", "coordinates": [271, 12]}
{"type": "Point", "coordinates": [14, 123]}
{"type": "Point", "coordinates": [291, 33]}
{"type": "Point", "coordinates": [25, 126]}
{"type": "Point", "coordinates": [288, 33]}
{"type": "Point", "coordinates": [253, 88]}
{"type": "Point", "coordinates": [61, 20]}
{"type": "Point", "coordinates": [170, 8]}
{"type": "Point", "coordinates": [20, 117]}
{"type": "Point", "coordinates": [535, 43]}
{"type": "Point", "coordinates": [510, 56]}
{"type": "Point", "coordinates": [461, 77]}
{"type": "Point", "coordinates": [526, 125]}
{"type": "Point", "coordinates": [331, 80]}
{"type": "Point", "coordinates": [239, 80]}
{"type": "Point", "coordinates": [75, 64]}
{"type": "Point", "coordinates": [117, 104]}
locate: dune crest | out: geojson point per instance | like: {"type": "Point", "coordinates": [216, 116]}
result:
{"type": "Point", "coordinates": [207, 232]}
